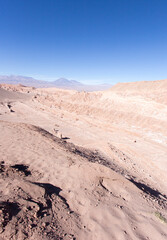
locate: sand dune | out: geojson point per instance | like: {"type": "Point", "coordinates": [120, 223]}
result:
{"type": "Point", "coordinates": [155, 90]}
{"type": "Point", "coordinates": [104, 179]}
{"type": "Point", "coordinates": [141, 86]}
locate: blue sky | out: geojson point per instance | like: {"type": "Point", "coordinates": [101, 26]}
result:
{"type": "Point", "coordinates": [92, 41]}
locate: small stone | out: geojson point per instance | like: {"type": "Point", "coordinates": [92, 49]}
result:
{"type": "Point", "coordinates": [43, 224]}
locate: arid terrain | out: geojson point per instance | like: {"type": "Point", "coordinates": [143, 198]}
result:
{"type": "Point", "coordinates": [84, 165]}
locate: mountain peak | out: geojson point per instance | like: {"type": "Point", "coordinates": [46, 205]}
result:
{"type": "Point", "coordinates": [66, 82]}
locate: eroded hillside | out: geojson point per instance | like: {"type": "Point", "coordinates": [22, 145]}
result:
{"type": "Point", "coordinates": [96, 163]}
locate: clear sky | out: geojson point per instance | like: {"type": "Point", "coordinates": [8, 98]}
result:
{"type": "Point", "coordinates": [91, 41]}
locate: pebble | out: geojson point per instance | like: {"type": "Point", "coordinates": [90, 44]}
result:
{"type": "Point", "coordinates": [43, 224]}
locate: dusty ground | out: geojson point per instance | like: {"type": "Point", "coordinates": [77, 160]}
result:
{"type": "Point", "coordinates": [105, 179]}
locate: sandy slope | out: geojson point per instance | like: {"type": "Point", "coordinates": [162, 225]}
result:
{"type": "Point", "coordinates": [105, 180]}
{"type": "Point", "coordinates": [5, 95]}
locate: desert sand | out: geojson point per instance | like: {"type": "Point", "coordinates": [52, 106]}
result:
{"type": "Point", "coordinates": [84, 165]}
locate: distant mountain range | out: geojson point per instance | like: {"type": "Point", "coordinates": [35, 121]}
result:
{"type": "Point", "coordinates": [59, 83]}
